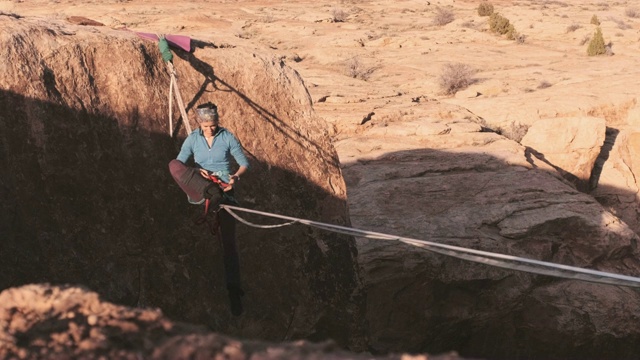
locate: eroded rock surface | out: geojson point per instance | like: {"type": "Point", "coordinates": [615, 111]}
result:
{"type": "Point", "coordinates": [66, 322]}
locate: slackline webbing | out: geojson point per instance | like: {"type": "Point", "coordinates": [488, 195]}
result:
{"type": "Point", "coordinates": [478, 256]}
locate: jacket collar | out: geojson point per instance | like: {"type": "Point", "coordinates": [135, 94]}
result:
{"type": "Point", "coordinates": [219, 129]}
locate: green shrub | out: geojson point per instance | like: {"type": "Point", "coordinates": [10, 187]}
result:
{"type": "Point", "coordinates": [594, 20]}
{"type": "Point", "coordinates": [500, 24]}
{"type": "Point", "coordinates": [485, 9]}
{"type": "Point", "coordinates": [596, 45]}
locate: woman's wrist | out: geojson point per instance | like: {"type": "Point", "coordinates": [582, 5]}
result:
{"type": "Point", "coordinates": [234, 176]}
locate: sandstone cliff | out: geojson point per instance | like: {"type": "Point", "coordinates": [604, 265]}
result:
{"type": "Point", "coordinates": [87, 197]}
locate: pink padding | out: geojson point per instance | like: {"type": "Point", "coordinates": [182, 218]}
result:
{"type": "Point", "coordinates": [181, 41]}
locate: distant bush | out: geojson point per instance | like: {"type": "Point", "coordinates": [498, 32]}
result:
{"type": "Point", "coordinates": [544, 84]}
{"type": "Point", "coordinates": [632, 12]}
{"type": "Point", "coordinates": [585, 39]}
{"type": "Point", "coordinates": [517, 37]}
{"type": "Point", "coordinates": [455, 76]}
{"type": "Point", "coordinates": [485, 9]}
{"type": "Point", "coordinates": [500, 24]}
{"type": "Point", "coordinates": [515, 132]}
{"type": "Point", "coordinates": [443, 16]}
{"type": "Point", "coordinates": [608, 48]}
{"type": "Point", "coordinates": [356, 69]}
{"type": "Point", "coordinates": [247, 33]}
{"type": "Point", "coordinates": [573, 27]}
{"type": "Point", "coordinates": [468, 24]}
{"type": "Point", "coordinates": [595, 20]}
{"type": "Point", "coordinates": [596, 45]}
{"type": "Point", "coordinates": [338, 15]}
{"type": "Point", "coordinates": [621, 24]}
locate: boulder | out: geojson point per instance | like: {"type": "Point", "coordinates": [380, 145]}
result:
{"type": "Point", "coordinates": [478, 190]}
{"type": "Point", "coordinates": [86, 196]}
{"type": "Point", "coordinates": [571, 145]}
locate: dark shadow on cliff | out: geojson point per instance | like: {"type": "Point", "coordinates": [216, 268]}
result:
{"type": "Point", "coordinates": [579, 184]}
{"type": "Point", "coordinates": [609, 140]}
{"type": "Point", "coordinates": [89, 201]}
{"type": "Point", "coordinates": [584, 185]}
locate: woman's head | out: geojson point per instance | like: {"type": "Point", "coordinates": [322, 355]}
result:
{"type": "Point", "coordinates": [207, 112]}
{"type": "Point", "coordinates": [207, 116]}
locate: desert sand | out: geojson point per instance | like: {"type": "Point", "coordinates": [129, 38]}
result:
{"type": "Point", "coordinates": [396, 52]}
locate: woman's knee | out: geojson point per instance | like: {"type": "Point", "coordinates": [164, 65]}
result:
{"type": "Point", "coordinates": [176, 167]}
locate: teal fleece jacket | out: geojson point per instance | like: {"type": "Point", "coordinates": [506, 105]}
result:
{"type": "Point", "coordinates": [217, 158]}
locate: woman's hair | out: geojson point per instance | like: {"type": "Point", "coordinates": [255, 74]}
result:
{"type": "Point", "coordinates": [207, 112]}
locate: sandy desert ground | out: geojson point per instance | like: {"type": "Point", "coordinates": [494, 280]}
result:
{"type": "Point", "coordinates": [360, 56]}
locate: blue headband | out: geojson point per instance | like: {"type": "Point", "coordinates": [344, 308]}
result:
{"type": "Point", "coordinates": [207, 114]}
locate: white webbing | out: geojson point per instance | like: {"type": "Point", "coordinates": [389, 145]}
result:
{"type": "Point", "coordinates": [174, 87]}
{"type": "Point", "coordinates": [478, 256]}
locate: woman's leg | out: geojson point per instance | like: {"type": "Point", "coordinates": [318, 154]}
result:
{"type": "Point", "coordinates": [231, 261]}
{"type": "Point", "coordinates": [191, 182]}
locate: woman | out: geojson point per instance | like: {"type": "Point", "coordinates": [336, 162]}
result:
{"type": "Point", "coordinates": [211, 147]}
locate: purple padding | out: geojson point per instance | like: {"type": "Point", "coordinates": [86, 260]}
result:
{"type": "Point", "coordinates": [189, 180]}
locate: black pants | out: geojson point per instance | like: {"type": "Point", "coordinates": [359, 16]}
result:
{"type": "Point", "coordinates": [194, 185]}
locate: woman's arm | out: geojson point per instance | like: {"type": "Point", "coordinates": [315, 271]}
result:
{"type": "Point", "coordinates": [236, 151]}
{"type": "Point", "coordinates": [238, 174]}
{"type": "Point", "coordinates": [186, 151]}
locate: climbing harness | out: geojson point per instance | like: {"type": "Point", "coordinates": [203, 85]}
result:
{"type": "Point", "coordinates": [478, 256]}
{"type": "Point", "coordinates": [220, 183]}
{"type": "Point", "coordinates": [204, 218]}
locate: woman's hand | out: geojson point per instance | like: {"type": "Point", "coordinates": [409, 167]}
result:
{"type": "Point", "coordinates": [232, 180]}
{"type": "Point", "coordinates": [204, 173]}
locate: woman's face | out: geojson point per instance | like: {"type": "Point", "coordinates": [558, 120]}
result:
{"type": "Point", "coordinates": [208, 127]}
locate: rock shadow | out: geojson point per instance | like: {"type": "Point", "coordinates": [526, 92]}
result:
{"type": "Point", "coordinates": [86, 198]}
